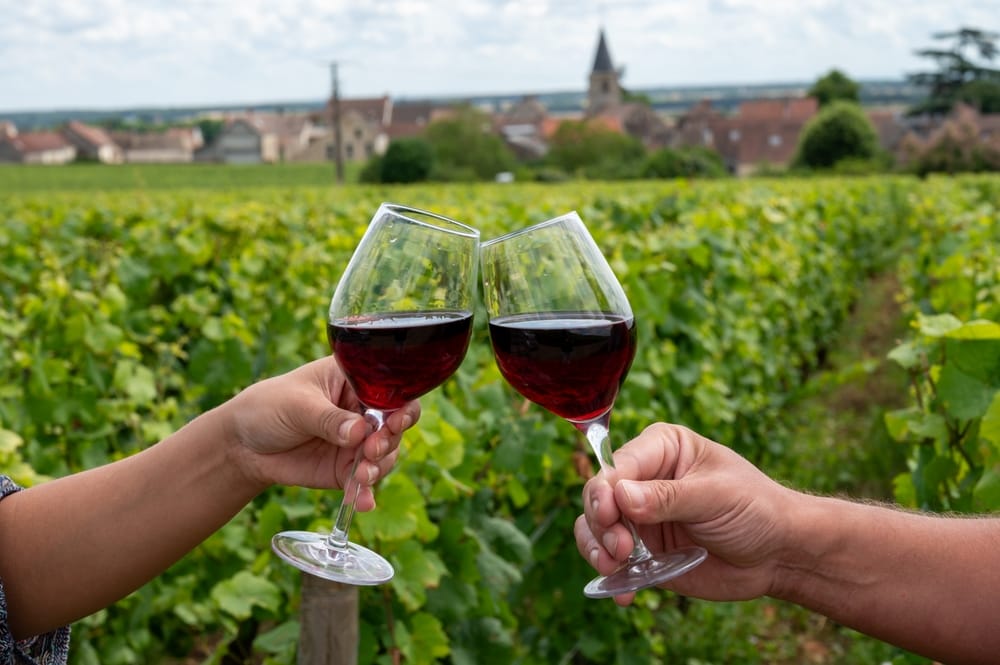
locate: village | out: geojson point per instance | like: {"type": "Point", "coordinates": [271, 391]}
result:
{"type": "Point", "coordinates": [758, 134]}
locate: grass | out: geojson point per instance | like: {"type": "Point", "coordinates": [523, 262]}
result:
{"type": "Point", "coordinates": [22, 179]}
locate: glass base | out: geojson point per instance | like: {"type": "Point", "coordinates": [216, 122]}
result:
{"type": "Point", "coordinates": [310, 552]}
{"type": "Point", "coordinates": [635, 575]}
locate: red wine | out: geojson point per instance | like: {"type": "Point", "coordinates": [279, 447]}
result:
{"type": "Point", "coordinates": [393, 357]}
{"type": "Point", "coordinates": [571, 363]}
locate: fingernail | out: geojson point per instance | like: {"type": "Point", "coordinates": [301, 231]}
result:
{"type": "Point", "coordinates": [345, 428]}
{"type": "Point", "coordinates": [634, 496]}
{"type": "Point", "coordinates": [407, 421]}
{"type": "Point", "coordinates": [610, 541]}
{"type": "Point", "coordinates": [372, 474]}
{"type": "Point", "coordinates": [594, 505]}
{"type": "Point", "coordinates": [595, 556]}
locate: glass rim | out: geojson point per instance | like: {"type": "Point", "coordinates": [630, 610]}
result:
{"type": "Point", "coordinates": [405, 212]}
{"type": "Point", "coordinates": [571, 215]}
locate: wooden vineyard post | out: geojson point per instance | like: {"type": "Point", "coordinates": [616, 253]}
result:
{"type": "Point", "coordinates": [328, 623]}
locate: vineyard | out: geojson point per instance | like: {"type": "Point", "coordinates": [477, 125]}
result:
{"type": "Point", "coordinates": [129, 310]}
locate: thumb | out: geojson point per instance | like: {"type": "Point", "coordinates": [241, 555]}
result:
{"type": "Point", "coordinates": [654, 501]}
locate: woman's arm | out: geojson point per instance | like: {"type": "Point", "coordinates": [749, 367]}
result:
{"type": "Point", "coordinates": [71, 546]}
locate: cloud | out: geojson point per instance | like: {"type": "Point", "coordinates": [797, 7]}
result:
{"type": "Point", "coordinates": [119, 52]}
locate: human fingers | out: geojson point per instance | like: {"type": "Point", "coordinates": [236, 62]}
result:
{"type": "Point", "coordinates": [404, 418]}
{"type": "Point", "coordinates": [387, 438]}
{"type": "Point", "coordinates": [699, 480]}
{"type": "Point", "coordinates": [594, 552]}
{"type": "Point", "coordinates": [604, 518]}
{"type": "Point", "coordinates": [370, 472]}
{"type": "Point", "coordinates": [590, 547]}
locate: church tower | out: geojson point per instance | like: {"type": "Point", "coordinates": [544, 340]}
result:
{"type": "Point", "coordinates": [605, 88]}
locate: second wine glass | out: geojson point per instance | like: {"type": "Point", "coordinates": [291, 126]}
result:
{"type": "Point", "coordinates": [399, 324]}
{"type": "Point", "coordinates": [563, 335]}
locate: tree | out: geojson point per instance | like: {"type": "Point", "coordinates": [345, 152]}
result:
{"type": "Point", "coordinates": [956, 148]}
{"type": "Point", "coordinates": [835, 86]}
{"type": "Point", "coordinates": [465, 147]}
{"type": "Point", "coordinates": [839, 131]}
{"type": "Point", "coordinates": [958, 76]}
{"type": "Point", "coordinates": [591, 148]}
{"type": "Point", "coordinates": [983, 95]}
{"type": "Point", "coordinates": [406, 160]}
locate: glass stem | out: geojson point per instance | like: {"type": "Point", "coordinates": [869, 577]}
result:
{"type": "Point", "coordinates": [599, 438]}
{"type": "Point", "coordinates": [339, 536]}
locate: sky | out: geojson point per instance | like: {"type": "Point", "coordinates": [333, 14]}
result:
{"type": "Point", "coordinates": [108, 54]}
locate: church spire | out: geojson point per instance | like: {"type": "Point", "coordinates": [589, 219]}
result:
{"type": "Point", "coordinates": [602, 61]}
{"type": "Point", "coordinates": [605, 90]}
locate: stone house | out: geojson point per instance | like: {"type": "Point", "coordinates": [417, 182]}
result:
{"type": "Point", "coordinates": [364, 129]}
{"type": "Point", "coordinates": [762, 132]}
{"type": "Point", "coordinates": [153, 147]}
{"type": "Point", "coordinates": [254, 138]}
{"type": "Point", "coordinates": [35, 148]}
{"type": "Point", "coordinates": [93, 143]}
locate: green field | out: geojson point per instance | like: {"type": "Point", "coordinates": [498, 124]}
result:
{"type": "Point", "coordinates": [101, 177]}
{"type": "Point", "coordinates": [135, 297]}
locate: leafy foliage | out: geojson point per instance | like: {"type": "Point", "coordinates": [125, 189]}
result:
{"type": "Point", "coordinates": [955, 148]}
{"type": "Point", "coordinates": [952, 427]}
{"type": "Point", "coordinates": [835, 86]}
{"type": "Point", "coordinates": [696, 162]}
{"type": "Point", "coordinates": [466, 148]}
{"type": "Point", "coordinates": [594, 150]}
{"type": "Point", "coordinates": [406, 160]}
{"type": "Point", "coordinates": [840, 131]}
{"type": "Point", "coordinates": [125, 314]}
{"type": "Point", "coordinates": [961, 71]}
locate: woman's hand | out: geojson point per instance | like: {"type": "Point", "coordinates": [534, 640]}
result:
{"type": "Point", "coordinates": [305, 428]}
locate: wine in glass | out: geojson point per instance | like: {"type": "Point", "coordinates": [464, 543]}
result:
{"type": "Point", "coordinates": [399, 324]}
{"type": "Point", "coordinates": [563, 335]}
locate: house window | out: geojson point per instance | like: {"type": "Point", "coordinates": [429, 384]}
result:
{"type": "Point", "coordinates": [605, 88]}
{"type": "Point", "coordinates": [369, 149]}
{"type": "Point", "coordinates": [774, 140]}
{"type": "Point", "coordinates": [357, 133]}
{"type": "Point", "coordinates": [734, 135]}
{"type": "Point", "coordinates": [707, 137]}
{"type": "Point", "coordinates": [349, 150]}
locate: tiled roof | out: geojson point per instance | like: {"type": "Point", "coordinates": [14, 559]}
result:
{"type": "Point", "coordinates": [797, 109]}
{"type": "Point", "coordinates": [29, 142]}
{"type": "Point", "coordinates": [376, 110]}
{"type": "Point", "coordinates": [95, 136]}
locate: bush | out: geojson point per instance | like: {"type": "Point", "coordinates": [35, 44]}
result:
{"type": "Point", "coordinates": [407, 160]}
{"type": "Point", "coordinates": [466, 148]}
{"type": "Point", "coordinates": [956, 148]}
{"type": "Point", "coordinates": [840, 131]}
{"type": "Point", "coordinates": [372, 171]}
{"type": "Point", "coordinates": [694, 162]}
{"type": "Point", "coordinates": [587, 147]}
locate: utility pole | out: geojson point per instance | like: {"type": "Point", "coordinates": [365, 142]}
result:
{"type": "Point", "coordinates": [338, 150]}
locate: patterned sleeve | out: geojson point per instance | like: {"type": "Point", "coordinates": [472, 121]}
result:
{"type": "Point", "coordinates": [49, 649]}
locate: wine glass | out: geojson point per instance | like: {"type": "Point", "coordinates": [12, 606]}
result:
{"type": "Point", "coordinates": [399, 323]}
{"type": "Point", "coordinates": [563, 335]}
